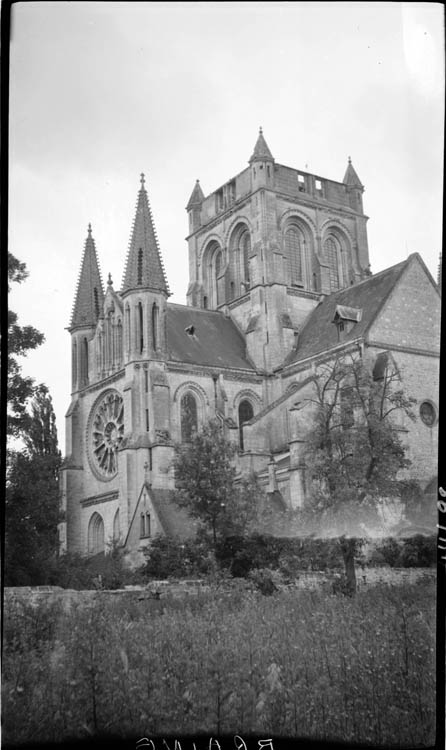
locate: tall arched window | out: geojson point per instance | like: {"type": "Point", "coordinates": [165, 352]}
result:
{"type": "Point", "coordinates": [74, 363]}
{"type": "Point", "coordinates": [140, 255]}
{"type": "Point", "coordinates": [128, 328]}
{"type": "Point", "coordinates": [116, 527]}
{"type": "Point", "coordinates": [140, 327]}
{"type": "Point", "coordinates": [84, 361]}
{"type": "Point", "coordinates": [212, 264]}
{"type": "Point", "coordinates": [189, 416]}
{"type": "Point", "coordinates": [332, 251]}
{"type": "Point", "coordinates": [96, 534]}
{"type": "Point", "coordinates": [119, 342]}
{"type": "Point", "coordinates": [294, 251]}
{"type": "Point", "coordinates": [217, 267]}
{"type": "Point", "coordinates": [245, 249]}
{"type": "Point", "coordinates": [155, 322]}
{"type": "Point", "coordinates": [96, 302]}
{"type": "Point", "coordinates": [245, 413]}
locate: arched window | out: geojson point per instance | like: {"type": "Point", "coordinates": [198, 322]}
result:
{"type": "Point", "coordinates": [332, 250]}
{"type": "Point", "coordinates": [213, 260]}
{"type": "Point", "coordinates": [144, 525]}
{"type": "Point", "coordinates": [245, 413]}
{"type": "Point", "coordinates": [155, 319]}
{"type": "Point", "coordinates": [140, 266]}
{"type": "Point", "coordinates": [205, 302]}
{"type": "Point", "coordinates": [96, 302]}
{"type": "Point", "coordinates": [217, 266]}
{"type": "Point", "coordinates": [188, 416]}
{"type": "Point", "coordinates": [128, 328]}
{"type": "Point", "coordinates": [294, 251]}
{"type": "Point", "coordinates": [119, 342]}
{"type": "Point", "coordinates": [116, 527]}
{"type": "Point", "coordinates": [84, 362]}
{"type": "Point", "coordinates": [245, 249]}
{"type": "Point", "coordinates": [140, 327]}
{"type": "Point", "coordinates": [96, 534]}
{"type": "Point", "coordinates": [74, 363]}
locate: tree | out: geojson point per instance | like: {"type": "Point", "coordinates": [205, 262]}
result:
{"type": "Point", "coordinates": [21, 339]}
{"type": "Point", "coordinates": [32, 498]}
{"type": "Point", "coordinates": [355, 459]}
{"type": "Point", "coordinates": [206, 487]}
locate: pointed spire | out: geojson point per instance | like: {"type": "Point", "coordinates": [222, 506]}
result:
{"type": "Point", "coordinates": [261, 150]}
{"type": "Point", "coordinates": [89, 297]}
{"type": "Point", "coordinates": [350, 177]}
{"type": "Point", "coordinates": [197, 196]}
{"type": "Point", "coordinates": [144, 265]}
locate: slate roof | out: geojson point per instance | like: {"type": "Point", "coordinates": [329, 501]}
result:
{"type": "Point", "coordinates": [350, 177]}
{"type": "Point", "coordinates": [89, 297]}
{"type": "Point", "coordinates": [261, 150]}
{"type": "Point", "coordinates": [145, 269]}
{"type": "Point", "coordinates": [215, 340]}
{"type": "Point", "coordinates": [174, 520]}
{"type": "Point", "coordinates": [197, 196]}
{"type": "Point", "coordinates": [320, 334]}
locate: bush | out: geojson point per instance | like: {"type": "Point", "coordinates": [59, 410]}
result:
{"type": "Point", "coordinates": [171, 557]}
{"type": "Point", "coordinates": [417, 551]}
{"type": "Point", "coordinates": [107, 571]}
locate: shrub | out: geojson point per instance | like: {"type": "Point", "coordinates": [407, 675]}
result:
{"type": "Point", "coordinates": [171, 557]}
{"type": "Point", "coordinates": [107, 571]}
{"type": "Point", "coordinates": [418, 552]}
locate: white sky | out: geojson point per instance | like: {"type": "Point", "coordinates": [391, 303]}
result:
{"type": "Point", "coordinates": [102, 91]}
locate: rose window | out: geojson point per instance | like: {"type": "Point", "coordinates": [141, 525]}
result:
{"type": "Point", "coordinates": [106, 433]}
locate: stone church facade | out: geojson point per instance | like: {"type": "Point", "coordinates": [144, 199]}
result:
{"type": "Point", "coordinates": [279, 281]}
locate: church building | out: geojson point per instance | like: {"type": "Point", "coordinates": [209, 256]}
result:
{"type": "Point", "coordinates": [279, 281]}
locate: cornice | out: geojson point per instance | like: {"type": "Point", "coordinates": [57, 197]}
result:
{"type": "Point", "coordinates": [104, 497]}
{"type": "Point", "coordinates": [408, 349]}
{"type": "Point", "coordinates": [102, 383]}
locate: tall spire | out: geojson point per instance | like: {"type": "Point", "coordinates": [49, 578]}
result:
{"type": "Point", "coordinates": [350, 177]}
{"type": "Point", "coordinates": [261, 150]}
{"type": "Point", "coordinates": [144, 265]}
{"type": "Point", "coordinates": [197, 196]}
{"type": "Point", "coordinates": [89, 297]}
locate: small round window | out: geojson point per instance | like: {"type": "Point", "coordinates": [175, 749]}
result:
{"type": "Point", "coordinates": [427, 413]}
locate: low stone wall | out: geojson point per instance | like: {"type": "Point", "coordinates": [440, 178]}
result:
{"type": "Point", "coordinates": [154, 590]}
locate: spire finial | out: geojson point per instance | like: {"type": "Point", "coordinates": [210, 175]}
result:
{"type": "Point", "coordinates": [143, 179]}
{"type": "Point", "coordinates": [109, 282]}
{"type": "Point", "coordinates": [349, 159]}
{"type": "Point", "coordinates": [260, 130]}
{"type": "Point", "coordinates": [89, 230]}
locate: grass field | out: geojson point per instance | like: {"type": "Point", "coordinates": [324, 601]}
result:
{"type": "Point", "coordinates": [296, 664]}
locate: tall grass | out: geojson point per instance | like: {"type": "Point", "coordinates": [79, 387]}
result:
{"type": "Point", "coordinates": [295, 664]}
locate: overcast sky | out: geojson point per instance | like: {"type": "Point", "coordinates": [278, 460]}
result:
{"type": "Point", "coordinates": [100, 92]}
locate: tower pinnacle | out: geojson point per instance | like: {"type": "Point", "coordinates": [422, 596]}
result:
{"type": "Point", "coordinates": [144, 265]}
{"type": "Point", "coordinates": [350, 177]}
{"type": "Point", "coordinates": [89, 297]}
{"type": "Point", "coordinates": [261, 150]}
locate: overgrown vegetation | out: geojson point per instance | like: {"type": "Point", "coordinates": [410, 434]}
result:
{"type": "Point", "coordinates": [292, 664]}
{"type": "Point", "coordinates": [354, 454]}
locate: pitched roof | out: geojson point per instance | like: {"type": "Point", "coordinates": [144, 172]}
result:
{"type": "Point", "coordinates": [144, 265]}
{"type": "Point", "coordinates": [320, 334]}
{"type": "Point", "coordinates": [197, 196]}
{"type": "Point", "coordinates": [174, 520]}
{"type": "Point", "coordinates": [89, 297]}
{"type": "Point", "coordinates": [261, 150]}
{"type": "Point", "coordinates": [350, 177]}
{"type": "Point", "coordinates": [212, 340]}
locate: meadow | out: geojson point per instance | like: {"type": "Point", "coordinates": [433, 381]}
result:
{"type": "Point", "coordinates": [230, 661]}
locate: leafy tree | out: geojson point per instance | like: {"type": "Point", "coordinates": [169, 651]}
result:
{"type": "Point", "coordinates": [32, 498]}
{"type": "Point", "coordinates": [21, 339]}
{"type": "Point", "coordinates": [205, 480]}
{"type": "Point", "coordinates": [354, 454]}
